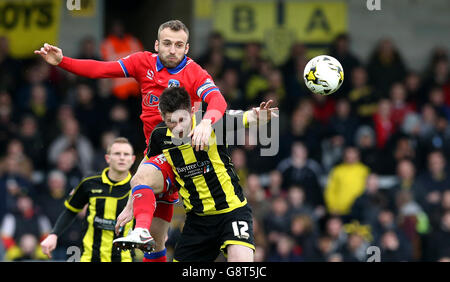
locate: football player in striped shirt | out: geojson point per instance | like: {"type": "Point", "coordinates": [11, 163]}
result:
{"type": "Point", "coordinates": [105, 195]}
{"type": "Point", "coordinates": [218, 216]}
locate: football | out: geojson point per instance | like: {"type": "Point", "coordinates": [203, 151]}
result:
{"type": "Point", "coordinates": [323, 75]}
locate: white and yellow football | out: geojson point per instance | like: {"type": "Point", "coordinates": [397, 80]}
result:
{"type": "Point", "coordinates": [323, 75]}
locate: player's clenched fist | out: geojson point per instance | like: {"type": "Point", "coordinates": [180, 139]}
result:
{"type": "Point", "coordinates": [49, 244]}
{"type": "Point", "coordinates": [51, 54]}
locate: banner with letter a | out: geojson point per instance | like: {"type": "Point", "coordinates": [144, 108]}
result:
{"type": "Point", "coordinates": [29, 23]}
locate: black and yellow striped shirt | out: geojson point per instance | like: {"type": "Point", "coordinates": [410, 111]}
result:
{"type": "Point", "coordinates": [207, 180]}
{"type": "Point", "coordinates": [105, 201]}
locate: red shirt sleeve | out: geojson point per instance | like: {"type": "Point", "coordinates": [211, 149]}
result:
{"type": "Point", "coordinates": [98, 69]}
{"type": "Point", "coordinates": [216, 107]}
{"type": "Point", "coordinates": [207, 91]}
{"type": "Point", "coordinates": [92, 68]}
{"type": "Point", "coordinates": [130, 64]}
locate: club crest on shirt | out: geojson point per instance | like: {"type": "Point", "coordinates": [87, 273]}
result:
{"type": "Point", "coordinates": [173, 83]}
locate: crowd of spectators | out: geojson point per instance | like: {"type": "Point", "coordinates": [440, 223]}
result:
{"type": "Point", "coordinates": [366, 166]}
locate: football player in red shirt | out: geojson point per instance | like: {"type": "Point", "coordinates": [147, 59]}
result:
{"type": "Point", "coordinates": [155, 72]}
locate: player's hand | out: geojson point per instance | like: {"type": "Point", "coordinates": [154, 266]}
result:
{"type": "Point", "coordinates": [201, 134]}
{"type": "Point", "coordinates": [264, 112]}
{"type": "Point", "coordinates": [51, 54]}
{"type": "Point", "coordinates": [124, 217]}
{"type": "Point", "coordinates": [49, 244]}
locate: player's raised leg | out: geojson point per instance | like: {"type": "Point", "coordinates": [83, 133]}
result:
{"type": "Point", "coordinates": [164, 211]}
{"type": "Point", "coordinates": [126, 215]}
{"type": "Point", "coordinates": [147, 182]}
{"type": "Point", "coordinates": [159, 230]}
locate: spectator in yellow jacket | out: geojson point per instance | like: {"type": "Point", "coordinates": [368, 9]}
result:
{"type": "Point", "coordinates": [346, 182]}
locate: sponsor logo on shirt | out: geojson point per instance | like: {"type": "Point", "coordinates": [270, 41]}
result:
{"type": "Point", "coordinates": [195, 169]}
{"type": "Point", "coordinates": [160, 159]}
{"type": "Point", "coordinates": [150, 74]}
{"type": "Point", "coordinates": [150, 100]}
{"type": "Point", "coordinates": [105, 224]}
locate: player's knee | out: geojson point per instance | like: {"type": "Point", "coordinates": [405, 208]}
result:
{"type": "Point", "coordinates": [238, 253]}
{"type": "Point", "coordinates": [137, 180]}
{"type": "Point", "coordinates": [149, 176]}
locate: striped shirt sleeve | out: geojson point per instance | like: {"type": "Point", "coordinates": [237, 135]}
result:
{"type": "Point", "coordinates": [206, 88]}
{"type": "Point", "coordinates": [128, 64]}
{"type": "Point", "coordinates": [79, 197]}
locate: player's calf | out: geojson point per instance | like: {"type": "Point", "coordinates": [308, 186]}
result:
{"type": "Point", "coordinates": [159, 230]}
{"type": "Point", "coordinates": [147, 182]}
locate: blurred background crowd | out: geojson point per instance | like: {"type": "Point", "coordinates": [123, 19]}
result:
{"type": "Point", "coordinates": [366, 166]}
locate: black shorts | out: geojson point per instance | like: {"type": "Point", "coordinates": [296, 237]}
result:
{"type": "Point", "coordinates": [203, 237]}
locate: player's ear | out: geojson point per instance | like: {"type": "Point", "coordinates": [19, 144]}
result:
{"type": "Point", "coordinates": [186, 50]}
{"type": "Point", "coordinates": [156, 45]}
{"type": "Point", "coordinates": [107, 158]}
{"type": "Point", "coordinates": [133, 158]}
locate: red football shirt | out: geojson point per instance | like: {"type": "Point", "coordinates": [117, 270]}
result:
{"type": "Point", "coordinates": [153, 78]}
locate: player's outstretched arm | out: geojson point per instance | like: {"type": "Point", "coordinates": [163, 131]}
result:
{"type": "Point", "coordinates": [51, 54]}
{"type": "Point", "coordinates": [64, 220]}
{"type": "Point", "coordinates": [87, 68]}
{"type": "Point", "coordinates": [262, 114]}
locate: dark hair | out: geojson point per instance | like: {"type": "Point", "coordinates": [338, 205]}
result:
{"type": "Point", "coordinates": [174, 98]}
{"type": "Point", "coordinates": [174, 25]}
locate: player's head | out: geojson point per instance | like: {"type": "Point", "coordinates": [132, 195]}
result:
{"type": "Point", "coordinates": [176, 111]}
{"type": "Point", "coordinates": [351, 155]}
{"type": "Point", "coordinates": [172, 44]}
{"type": "Point", "coordinates": [119, 155]}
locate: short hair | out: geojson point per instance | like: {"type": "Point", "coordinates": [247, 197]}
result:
{"type": "Point", "coordinates": [173, 99]}
{"type": "Point", "coordinates": [120, 140]}
{"type": "Point", "coordinates": [174, 25]}
{"type": "Point", "coordinates": [57, 174]}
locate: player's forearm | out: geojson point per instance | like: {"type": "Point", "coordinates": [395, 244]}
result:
{"type": "Point", "coordinates": [92, 68]}
{"type": "Point", "coordinates": [216, 107]}
{"type": "Point", "coordinates": [64, 221]}
{"type": "Point", "coordinates": [129, 204]}
{"type": "Point", "coordinates": [250, 118]}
